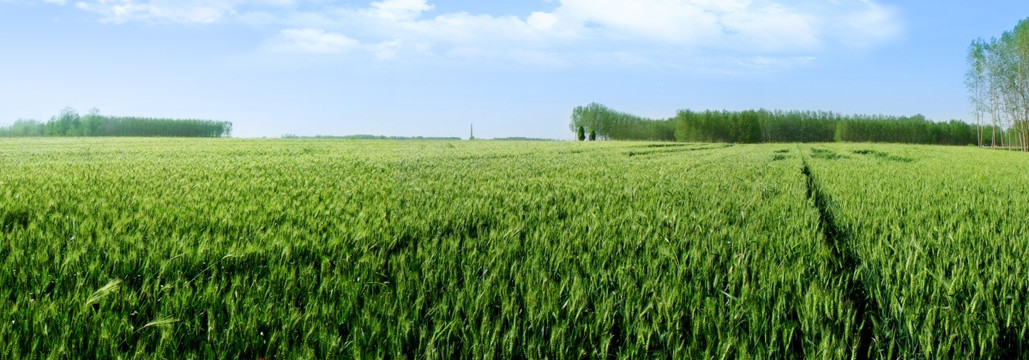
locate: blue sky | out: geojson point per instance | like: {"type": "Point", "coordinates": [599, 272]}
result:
{"type": "Point", "coordinates": [511, 67]}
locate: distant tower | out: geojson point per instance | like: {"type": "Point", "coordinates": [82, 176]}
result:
{"type": "Point", "coordinates": [471, 135]}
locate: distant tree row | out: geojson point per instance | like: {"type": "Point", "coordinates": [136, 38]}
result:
{"type": "Point", "coordinates": [70, 123]}
{"type": "Point", "coordinates": [597, 120]}
{"type": "Point", "coordinates": [756, 126]}
{"type": "Point", "coordinates": [369, 137]}
{"type": "Point", "coordinates": [521, 138]}
{"type": "Point", "coordinates": [998, 85]}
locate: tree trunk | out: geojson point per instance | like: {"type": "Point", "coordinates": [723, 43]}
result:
{"type": "Point", "coordinates": [993, 139]}
{"type": "Point", "coordinates": [979, 131]}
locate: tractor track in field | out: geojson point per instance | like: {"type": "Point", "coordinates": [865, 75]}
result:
{"type": "Point", "coordinates": [844, 263]}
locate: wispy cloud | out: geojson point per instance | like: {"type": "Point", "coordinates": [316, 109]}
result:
{"type": "Point", "coordinates": [196, 11]}
{"type": "Point", "coordinates": [399, 10]}
{"type": "Point", "coordinates": [389, 29]}
{"type": "Point", "coordinates": [311, 41]}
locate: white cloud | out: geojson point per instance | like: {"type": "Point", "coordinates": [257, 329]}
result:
{"type": "Point", "coordinates": [180, 11]}
{"type": "Point", "coordinates": [759, 26]}
{"type": "Point", "coordinates": [765, 62]}
{"type": "Point", "coordinates": [767, 28]}
{"type": "Point", "coordinates": [534, 57]}
{"type": "Point", "coordinates": [388, 29]}
{"type": "Point", "coordinates": [58, 2]}
{"type": "Point", "coordinates": [386, 50]}
{"type": "Point", "coordinates": [187, 11]}
{"type": "Point", "coordinates": [541, 20]}
{"type": "Point", "coordinates": [660, 20]}
{"type": "Point", "coordinates": [867, 25]}
{"type": "Point", "coordinates": [399, 10]}
{"type": "Point", "coordinates": [311, 41]}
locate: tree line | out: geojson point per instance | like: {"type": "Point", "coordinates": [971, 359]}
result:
{"type": "Point", "coordinates": [998, 86]}
{"type": "Point", "coordinates": [369, 137]}
{"type": "Point", "coordinates": [596, 120]}
{"type": "Point", "coordinates": [758, 126]}
{"type": "Point", "coordinates": [70, 123]}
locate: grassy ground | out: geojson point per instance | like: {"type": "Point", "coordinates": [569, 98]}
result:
{"type": "Point", "coordinates": [323, 249]}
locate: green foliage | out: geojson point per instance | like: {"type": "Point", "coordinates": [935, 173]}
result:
{"type": "Point", "coordinates": [913, 130]}
{"type": "Point", "coordinates": [604, 123]}
{"type": "Point", "coordinates": [777, 126]}
{"type": "Point", "coordinates": [69, 123]}
{"type": "Point", "coordinates": [726, 126]}
{"type": "Point", "coordinates": [24, 127]}
{"type": "Point", "coordinates": [763, 126]}
{"type": "Point", "coordinates": [581, 133]}
{"type": "Point", "coordinates": [998, 86]}
{"type": "Point", "coordinates": [304, 248]}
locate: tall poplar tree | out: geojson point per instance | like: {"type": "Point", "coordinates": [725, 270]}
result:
{"type": "Point", "coordinates": [998, 85]}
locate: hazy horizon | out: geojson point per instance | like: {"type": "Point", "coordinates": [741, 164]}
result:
{"type": "Point", "coordinates": [513, 68]}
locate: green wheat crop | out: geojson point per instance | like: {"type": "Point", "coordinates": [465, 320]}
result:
{"type": "Point", "coordinates": [223, 248]}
